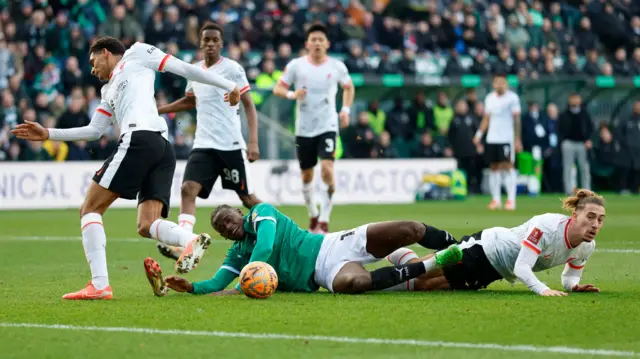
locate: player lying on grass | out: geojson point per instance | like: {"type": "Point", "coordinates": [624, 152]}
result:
{"type": "Point", "coordinates": [305, 261]}
{"type": "Point", "coordinates": [543, 242]}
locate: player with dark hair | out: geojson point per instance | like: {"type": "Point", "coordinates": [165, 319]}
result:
{"type": "Point", "coordinates": [306, 261]}
{"type": "Point", "coordinates": [501, 124]}
{"type": "Point", "coordinates": [541, 243]}
{"type": "Point", "coordinates": [142, 165]}
{"type": "Point", "coordinates": [218, 148]}
{"type": "Point", "coordinates": [316, 78]}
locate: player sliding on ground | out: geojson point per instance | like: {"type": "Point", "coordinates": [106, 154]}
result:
{"type": "Point", "coordinates": [543, 242]}
{"type": "Point", "coordinates": [142, 165]}
{"type": "Point", "coordinates": [306, 261]}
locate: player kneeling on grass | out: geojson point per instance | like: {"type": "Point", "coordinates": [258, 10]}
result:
{"type": "Point", "coordinates": [306, 261]}
{"type": "Point", "coordinates": [543, 242]}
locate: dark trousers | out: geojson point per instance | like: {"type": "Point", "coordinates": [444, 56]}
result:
{"type": "Point", "coordinates": [629, 179]}
{"type": "Point", "coordinates": [472, 166]}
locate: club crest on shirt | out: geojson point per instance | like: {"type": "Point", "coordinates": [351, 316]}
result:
{"type": "Point", "coordinates": [254, 215]}
{"type": "Point", "coordinates": [535, 236]}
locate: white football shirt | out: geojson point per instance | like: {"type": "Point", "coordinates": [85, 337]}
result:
{"type": "Point", "coordinates": [546, 235]}
{"type": "Point", "coordinates": [128, 97]}
{"type": "Point", "coordinates": [501, 109]}
{"type": "Point", "coordinates": [317, 113]}
{"type": "Point", "coordinates": [218, 123]}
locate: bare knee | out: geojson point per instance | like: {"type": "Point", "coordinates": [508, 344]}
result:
{"type": "Point", "coordinates": [326, 172]}
{"type": "Point", "coordinates": [144, 228]}
{"type": "Point", "coordinates": [189, 190]}
{"type": "Point", "coordinates": [415, 230]}
{"type": "Point", "coordinates": [307, 175]}
{"type": "Point", "coordinates": [352, 283]}
{"type": "Point", "coordinates": [249, 200]}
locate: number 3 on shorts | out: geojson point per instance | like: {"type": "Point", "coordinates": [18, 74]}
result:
{"type": "Point", "coordinates": [231, 175]}
{"type": "Point", "coordinates": [330, 144]}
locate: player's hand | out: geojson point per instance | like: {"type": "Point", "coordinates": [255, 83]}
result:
{"type": "Point", "coordinates": [31, 131]}
{"type": "Point", "coordinates": [233, 97]}
{"type": "Point", "coordinates": [344, 119]}
{"type": "Point", "coordinates": [300, 94]}
{"type": "Point", "coordinates": [480, 149]}
{"type": "Point", "coordinates": [586, 288]}
{"type": "Point", "coordinates": [518, 146]}
{"type": "Point", "coordinates": [476, 141]}
{"type": "Point", "coordinates": [179, 284]}
{"type": "Point", "coordinates": [553, 293]}
{"type": "Point", "coordinates": [253, 152]}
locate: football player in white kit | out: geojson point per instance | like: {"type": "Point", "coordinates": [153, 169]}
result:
{"type": "Point", "coordinates": [541, 243]}
{"type": "Point", "coordinates": [501, 123]}
{"type": "Point", "coordinates": [142, 165]}
{"type": "Point", "coordinates": [316, 78]}
{"type": "Point", "coordinates": [218, 148]}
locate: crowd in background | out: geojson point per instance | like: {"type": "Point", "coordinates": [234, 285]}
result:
{"type": "Point", "coordinates": [45, 76]}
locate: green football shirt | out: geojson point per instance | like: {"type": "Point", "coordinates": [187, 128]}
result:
{"type": "Point", "coordinates": [271, 237]}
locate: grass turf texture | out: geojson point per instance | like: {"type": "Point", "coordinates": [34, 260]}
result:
{"type": "Point", "coordinates": [35, 272]}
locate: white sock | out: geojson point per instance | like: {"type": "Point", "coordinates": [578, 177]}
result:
{"type": "Point", "coordinates": [308, 193]}
{"type": "Point", "coordinates": [187, 221]}
{"type": "Point", "coordinates": [403, 287]}
{"type": "Point", "coordinates": [326, 205]}
{"type": "Point", "coordinates": [401, 256]}
{"type": "Point", "coordinates": [430, 263]}
{"type": "Point", "coordinates": [494, 185]}
{"type": "Point", "coordinates": [509, 180]}
{"type": "Point", "coordinates": [94, 241]}
{"type": "Point", "coordinates": [171, 234]}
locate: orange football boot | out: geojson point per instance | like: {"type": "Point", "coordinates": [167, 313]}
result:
{"type": "Point", "coordinates": [90, 293]}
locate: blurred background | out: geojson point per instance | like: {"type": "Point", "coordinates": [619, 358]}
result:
{"type": "Point", "coordinates": [421, 68]}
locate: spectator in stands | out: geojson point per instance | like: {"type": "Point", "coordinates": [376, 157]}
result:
{"type": "Point", "coordinates": [101, 150]}
{"type": "Point", "coordinates": [627, 133]}
{"type": "Point", "coordinates": [442, 114]}
{"type": "Point", "coordinates": [575, 129]}
{"type": "Point", "coordinates": [427, 148]}
{"type": "Point", "coordinates": [420, 115]}
{"type": "Point", "coordinates": [503, 64]}
{"type": "Point", "coordinates": [605, 158]}
{"type": "Point", "coordinates": [360, 138]}
{"type": "Point", "coordinates": [71, 76]}
{"type": "Point", "coordinates": [634, 41]}
{"type": "Point", "coordinates": [453, 67]}
{"type": "Point", "coordinates": [635, 62]}
{"type": "Point", "coordinates": [377, 117]}
{"type": "Point", "coordinates": [620, 65]}
{"type": "Point", "coordinates": [383, 147]}
{"type": "Point", "coordinates": [127, 29]}
{"type": "Point", "coordinates": [586, 39]}
{"type": "Point", "coordinates": [460, 138]}
{"type": "Point", "coordinates": [571, 66]}
{"type": "Point", "coordinates": [606, 69]}
{"type": "Point", "coordinates": [355, 62]}
{"type": "Point", "coordinates": [534, 129]}
{"type": "Point", "coordinates": [398, 121]}
{"type": "Point", "coordinates": [591, 66]}
{"type": "Point", "coordinates": [515, 35]}
{"type": "Point", "coordinates": [552, 166]}
{"type": "Point", "coordinates": [480, 64]}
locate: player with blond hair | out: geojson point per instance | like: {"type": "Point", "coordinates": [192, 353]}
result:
{"type": "Point", "coordinates": [543, 242]}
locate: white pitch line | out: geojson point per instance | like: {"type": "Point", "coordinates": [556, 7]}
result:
{"type": "Point", "coordinates": [352, 340]}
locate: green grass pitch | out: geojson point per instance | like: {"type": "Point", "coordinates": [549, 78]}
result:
{"type": "Point", "coordinates": [42, 259]}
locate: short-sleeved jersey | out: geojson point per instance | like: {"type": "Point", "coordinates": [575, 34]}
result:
{"type": "Point", "coordinates": [545, 234]}
{"type": "Point", "coordinates": [501, 110]}
{"type": "Point", "coordinates": [317, 113]}
{"type": "Point", "coordinates": [218, 123]}
{"type": "Point", "coordinates": [294, 251]}
{"type": "Point", "coordinates": [128, 97]}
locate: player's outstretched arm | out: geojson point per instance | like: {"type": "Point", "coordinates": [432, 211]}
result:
{"type": "Point", "coordinates": [186, 103]}
{"type": "Point", "coordinates": [33, 131]}
{"type": "Point", "coordinates": [197, 74]}
{"type": "Point", "coordinates": [266, 237]}
{"type": "Point", "coordinates": [523, 269]}
{"type": "Point", "coordinates": [571, 276]}
{"type": "Point", "coordinates": [220, 281]}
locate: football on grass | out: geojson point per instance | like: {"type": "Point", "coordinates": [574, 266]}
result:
{"type": "Point", "coordinates": [258, 280]}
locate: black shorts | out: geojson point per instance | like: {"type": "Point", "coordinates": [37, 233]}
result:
{"type": "Point", "coordinates": [309, 149]}
{"type": "Point", "coordinates": [204, 166]}
{"type": "Point", "coordinates": [142, 165]}
{"type": "Point", "coordinates": [498, 152]}
{"type": "Point", "coordinates": [474, 271]}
